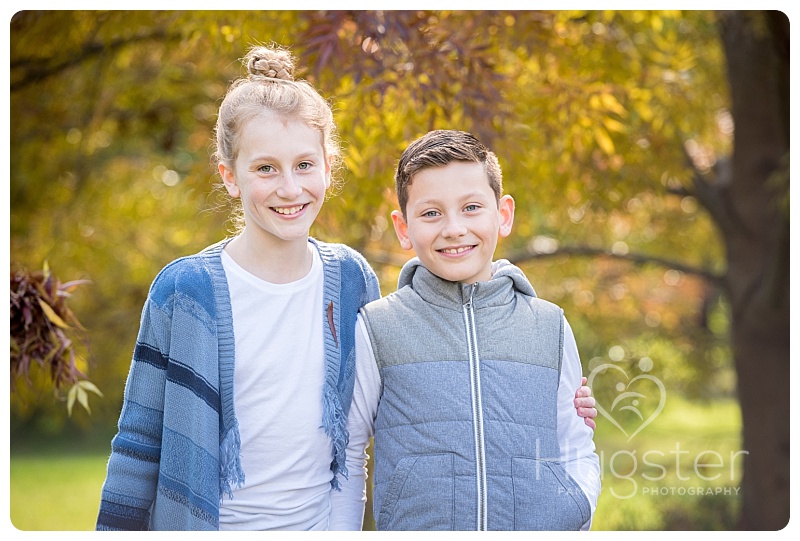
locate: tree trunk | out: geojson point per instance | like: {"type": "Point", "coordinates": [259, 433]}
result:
{"type": "Point", "coordinates": [756, 232]}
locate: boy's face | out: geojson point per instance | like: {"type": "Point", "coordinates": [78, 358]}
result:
{"type": "Point", "coordinates": [453, 221]}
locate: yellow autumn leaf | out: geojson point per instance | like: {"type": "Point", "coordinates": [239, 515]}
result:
{"type": "Point", "coordinates": [73, 393]}
{"type": "Point", "coordinates": [611, 104]}
{"type": "Point", "coordinates": [78, 392]}
{"type": "Point", "coordinates": [83, 398]}
{"type": "Point", "coordinates": [89, 386]}
{"type": "Point", "coordinates": [645, 112]}
{"type": "Point", "coordinates": [603, 140]}
{"type": "Point", "coordinates": [614, 125]}
{"type": "Point", "coordinates": [52, 316]}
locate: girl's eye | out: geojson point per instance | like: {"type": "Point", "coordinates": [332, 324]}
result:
{"type": "Point", "coordinates": [304, 165]}
{"type": "Point", "coordinates": [266, 169]}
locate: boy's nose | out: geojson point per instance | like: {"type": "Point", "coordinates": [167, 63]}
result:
{"type": "Point", "coordinates": [454, 228]}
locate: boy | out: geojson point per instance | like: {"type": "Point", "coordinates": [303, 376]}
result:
{"type": "Point", "coordinates": [475, 427]}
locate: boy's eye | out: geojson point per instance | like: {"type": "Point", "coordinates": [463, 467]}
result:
{"type": "Point", "coordinates": [430, 214]}
{"type": "Point", "coordinates": [470, 208]}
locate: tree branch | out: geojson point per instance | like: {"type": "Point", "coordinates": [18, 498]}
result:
{"type": "Point", "coordinates": [34, 70]}
{"type": "Point", "coordinates": [638, 259]}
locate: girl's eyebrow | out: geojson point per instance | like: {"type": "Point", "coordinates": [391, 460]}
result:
{"type": "Point", "coordinates": [300, 156]}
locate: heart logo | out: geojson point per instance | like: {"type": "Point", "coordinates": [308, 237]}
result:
{"type": "Point", "coordinates": [626, 394]}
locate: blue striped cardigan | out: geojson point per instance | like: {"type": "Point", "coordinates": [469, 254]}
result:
{"type": "Point", "coordinates": [176, 453]}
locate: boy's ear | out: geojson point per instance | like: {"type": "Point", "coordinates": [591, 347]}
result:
{"type": "Point", "coordinates": [506, 208]}
{"type": "Point", "coordinates": [229, 180]}
{"type": "Point", "coordinates": [401, 229]}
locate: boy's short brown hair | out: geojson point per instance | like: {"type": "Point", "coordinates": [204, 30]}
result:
{"type": "Point", "coordinates": [438, 148]}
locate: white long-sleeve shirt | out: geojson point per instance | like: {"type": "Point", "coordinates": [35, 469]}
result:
{"type": "Point", "coordinates": [278, 380]}
{"type": "Point", "coordinates": [571, 432]}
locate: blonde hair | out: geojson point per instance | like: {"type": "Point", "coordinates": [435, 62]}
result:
{"type": "Point", "coordinates": [270, 86]}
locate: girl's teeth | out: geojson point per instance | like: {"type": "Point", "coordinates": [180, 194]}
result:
{"type": "Point", "coordinates": [288, 210]}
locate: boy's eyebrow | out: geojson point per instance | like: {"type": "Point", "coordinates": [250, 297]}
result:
{"type": "Point", "coordinates": [476, 195]}
{"type": "Point", "coordinates": [425, 202]}
{"type": "Point", "coordinates": [471, 195]}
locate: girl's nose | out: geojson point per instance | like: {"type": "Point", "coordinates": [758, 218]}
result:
{"type": "Point", "coordinates": [289, 188]}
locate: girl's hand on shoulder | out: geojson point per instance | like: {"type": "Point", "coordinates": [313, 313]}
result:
{"type": "Point", "coordinates": [585, 404]}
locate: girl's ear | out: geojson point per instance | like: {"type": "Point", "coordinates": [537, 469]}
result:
{"type": "Point", "coordinates": [229, 180]}
{"type": "Point", "coordinates": [506, 208]}
{"type": "Point", "coordinates": [401, 230]}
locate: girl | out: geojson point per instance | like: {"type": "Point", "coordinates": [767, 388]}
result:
{"type": "Point", "coordinates": [236, 405]}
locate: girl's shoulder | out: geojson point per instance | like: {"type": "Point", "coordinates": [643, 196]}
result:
{"type": "Point", "coordinates": [353, 268]}
{"type": "Point", "coordinates": [193, 275]}
{"type": "Point", "coordinates": [341, 253]}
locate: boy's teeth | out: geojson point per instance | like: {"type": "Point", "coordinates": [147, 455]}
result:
{"type": "Point", "coordinates": [288, 210]}
{"type": "Point", "coordinates": [455, 250]}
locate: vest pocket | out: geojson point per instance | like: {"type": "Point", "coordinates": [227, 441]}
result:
{"type": "Point", "coordinates": [546, 497]}
{"type": "Point", "coordinates": [420, 495]}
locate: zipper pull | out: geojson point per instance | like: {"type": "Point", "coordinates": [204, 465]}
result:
{"type": "Point", "coordinates": [472, 289]}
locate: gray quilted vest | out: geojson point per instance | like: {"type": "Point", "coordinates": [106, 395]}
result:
{"type": "Point", "coordinates": [465, 434]}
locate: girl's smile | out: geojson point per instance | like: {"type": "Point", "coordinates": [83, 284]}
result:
{"type": "Point", "coordinates": [289, 211]}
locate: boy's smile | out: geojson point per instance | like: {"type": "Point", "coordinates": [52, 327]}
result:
{"type": "Point", "coordinates": [453, 221]}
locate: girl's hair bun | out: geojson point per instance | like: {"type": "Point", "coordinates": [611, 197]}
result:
{"type": "Point", "coordinates": [270, 63]}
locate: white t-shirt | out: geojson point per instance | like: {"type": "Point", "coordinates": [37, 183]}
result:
{"type": "Point", "coordinates": [278, 378]}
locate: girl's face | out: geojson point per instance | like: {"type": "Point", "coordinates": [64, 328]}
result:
{"type": "Point", "coordinates": [281, 173]}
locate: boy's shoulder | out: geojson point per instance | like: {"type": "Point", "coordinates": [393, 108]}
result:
{"type": "Point", "coordinates": [394, 302]}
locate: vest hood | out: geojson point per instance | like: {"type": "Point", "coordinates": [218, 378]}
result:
{"type": "Point", "coordinates": [502, 270]}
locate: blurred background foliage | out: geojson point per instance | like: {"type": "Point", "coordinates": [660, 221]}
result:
{"type": "Point", "coordinates": [593, 115]}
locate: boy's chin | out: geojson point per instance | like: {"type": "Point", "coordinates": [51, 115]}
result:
{"type": "Point", "coordinates": [464, 276]}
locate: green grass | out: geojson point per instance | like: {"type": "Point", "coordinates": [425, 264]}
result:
{"type": "Point", "coordinates": [56, 493]}
{"type": "Point", "coordinates": [56, 482]}
{"type": "Point", "coordinates": [682, 472]}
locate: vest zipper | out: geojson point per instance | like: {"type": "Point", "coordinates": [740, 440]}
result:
{"type": "Point", "coordinates": [477, 408]}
